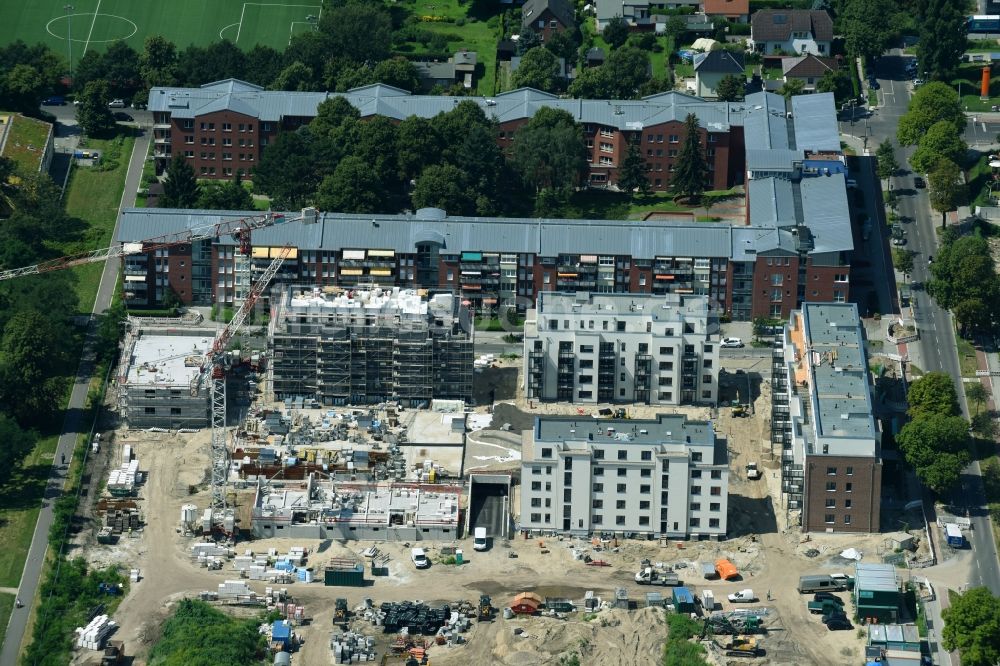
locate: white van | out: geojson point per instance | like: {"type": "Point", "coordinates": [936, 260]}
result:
{"type": "Point", "coordinates": [479, 539]}
{"type": "Point", "coordinates": [419, 558]}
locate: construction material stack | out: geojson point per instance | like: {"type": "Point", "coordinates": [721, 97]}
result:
{"type": "Point", "coordinates": [92, 636]}
{"type": "Point", "coordinates": [350, 648]}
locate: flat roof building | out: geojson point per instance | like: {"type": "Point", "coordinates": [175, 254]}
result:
{"type": "Point", "coordinates": [158, 379]}
{"type": "Point", "coordinates": [370, 345]}
{"type": "Point", "coordinates": [824, 417]}
{"type": "Point", "coordinates": [661, 477]}
{"type": "Point", "coordinates": [594, 347]}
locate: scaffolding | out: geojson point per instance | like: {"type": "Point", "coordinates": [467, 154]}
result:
{"type": "Point", "coordinates": [371, 345]}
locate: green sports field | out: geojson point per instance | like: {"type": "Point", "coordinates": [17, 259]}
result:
{"type": "Point", "coordinates": [96, 23]}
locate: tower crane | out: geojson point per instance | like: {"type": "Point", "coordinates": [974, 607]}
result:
{"type": "Point", "coordinates": [213, 365]}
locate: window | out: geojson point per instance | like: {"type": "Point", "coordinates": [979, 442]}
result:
{"type": "Point", "coordinates": [850, 471]}
{"type": "Point", "coordinates": [188, 153]}
{"type": "Point", "coordinates": [831, 471]}
{"type": "Point", "coordinates": [621, 487]}
{"type": "Point", "coordinates": [598, 454]}
{"type": "Point", "coordinates": [644, 520]}
{"type": "Point", "coordinates": [607, 148]}
{"type": "Point", "coordinates": [715, 490]}
{"type": "Point", "coordinates": [619, 520]}
{"type": "Point", "coordinates": [776, 279]}
{"type": "Point", "coordinates": [716, 474]}
{"type": "Point", "coordinates": [620, 504]}
{"type": "Point", "coordinates": [696, 474]}
{"type": "Point", "coordinates": [598, 471]}
{"type": "Point", "coordinates": [696, 490]}
{"type": "Point", "coordinates": [713, 522]}
{"type": "Point", "coordinates": [536, 502]}
{"type": "Point", "coordinates": [714, 506]}
{"type": "Point", "coordinates": [622, 455]}
{"type": "Point", "coordinates": [696, 456]}
{"type": "Point", "coordinates": [547, 453]}
{"type": "Point", "coordinates": [227, 127]}
{"type": "Point", "coordinates": [536, 485]}
{"type": "Point", "coordinates": [848, 503]}
{"type": "Point", "coordinates": [696, 506]}
{"type": "Point", "coordinates": [831, 503]}
{"type": "Point", "coordinates": [848, 487]}
{"type": "Point", "coordinates": [828, 519]}
{"type": "Point", "coordinates": [674, 138]}
{"type": "Point", "coordinates": [645, 473]}
{"type": "Point", "coordinates": [644, 489]}
{"type": "Point", "coordinates": [596, 519]}
{"type": "Point", "coordinates": [646, 455]}
{"type": "Point", "coordinates": [847, 519]}
{"type": "Point", "coordinates": [831, 486]}
{"type": "Point", "coordinates": [598, 487]}
{"type": "Point", "coordinates": [696, 522]}
{"type": "Point", "coordinates": [189, 138]}
{"type": "Point", "coordinates": [838, 296]}
{"type": "Point", "coordinates": [622, 471]}
{"type": "Point", "coordinates": [606, 161]}
{"type": "Point", "coordinates": [642, 280]}
{"type": "Point", "coordinates": [706, 379]}
{"type": "Point", "coordinates": [536, 517]}
{"type": "Point", "coordinates": [227, 142]}
{"type": "Point", "coordinates": [840, 277]}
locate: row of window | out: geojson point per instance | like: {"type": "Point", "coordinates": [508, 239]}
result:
{"type": "Point", "coordinates": [210, 141]}
{"type": "Point", "coordinates": [243, 157]}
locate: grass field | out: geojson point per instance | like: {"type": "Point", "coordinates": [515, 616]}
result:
{"type": "Point", "coordinates": [96, 23]}
{"type": "Point", "coordinates": [6, 607]}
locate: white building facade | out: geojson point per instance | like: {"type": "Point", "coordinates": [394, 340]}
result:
{"type": "Point", "coordinates": [663, 477]}
{"type": "Point", "coordinates": [622, 348]}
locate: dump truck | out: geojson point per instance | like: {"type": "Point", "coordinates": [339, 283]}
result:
{"type": "Point", "coordinates": [652, 576]}
{"type": "Point", "coordinates": [742, 597]}
{"type": "Point", "coordinates": [742, 646]}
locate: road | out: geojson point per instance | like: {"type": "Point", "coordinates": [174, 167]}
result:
{"type": "Point", "coordinates": [937, 348]}
{"type": "Point", "coordinates": [73, 424]}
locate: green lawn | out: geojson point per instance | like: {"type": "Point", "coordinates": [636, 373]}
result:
{"type": "Point", "coordinates": [6, 607]}
{"type": "Point", "coordinates": [966, 357]}
{"type": "Point", "coordinates": [600, 205]}
{"type": "Point", "coordinates": [94, 196]}
{"type": "Point", "coordinates": [26, 140]}
{"type": "Point", "coordinates": [980, 175]}
{"type": "Point", "coordinates": [96, 23]}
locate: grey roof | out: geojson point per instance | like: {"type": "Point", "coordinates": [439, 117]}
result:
{"type": "Point", "coordinates": [826, 212]}
{"type": "Point", "coordinates": [561, 9]}
{"type": "Point", "coordinates": [772, 160]}
{"type": "Point", "coordinates": [777, 25]}
{"type": "Point", "coordinates": [664, 429]}
{"type": "Point", "coordinates": [876, 577]}
{"type": "Point", "coordinates": [771, 202]}
{"type": "Point", "coordinates": [765, 123]}
{"type": "Point", "coordinates": [807, 65]}
{"type": "Point", "coordinates": [657, 307]}
{"type": "Point", "coordinates": [811, 116]}
{"type": "Point", "coordinates": [607, 9]}
{"type": "Point", "coordinates": [380, 99]}
{"type": "Point", "coordinates": [435, 70]}
{"type": "Point", "coordinates": [719, 61]}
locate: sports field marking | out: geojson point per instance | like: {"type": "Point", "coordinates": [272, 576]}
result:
{"type": "Point", "coordinates": [92, 22]}
{"type": "Point", "coordinates": [64, 37]}
{"type": "Point", "coordinates": [239, 29]}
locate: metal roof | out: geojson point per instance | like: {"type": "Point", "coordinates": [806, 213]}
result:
{"type": "Point", "coordinates": [765, 124]}
{"type": "Point", "coordinates": [812, 120]}
{"type": "Point", "coordinates": [663, 429]}
{"type": "Point", "coordinates": [826, 212]}
{"type": "Point", "coordinates": [876, 577]}
{"type": "Point", "coordinates": [771, 202]}
{"type": "Point", "coordinates": [772, 160]}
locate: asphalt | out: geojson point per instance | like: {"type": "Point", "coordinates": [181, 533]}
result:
{"type": "Point", "coordinates": [936, 350]}
{"type": "Point", "coordinates": [73, 423]}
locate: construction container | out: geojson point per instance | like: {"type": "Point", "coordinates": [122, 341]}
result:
{"type": "Point", "coordinates": [683, 600]}
{"type": "Point", "coordinates": [726, 569]}
{"type": "Point", "coordinates": [344, 573]}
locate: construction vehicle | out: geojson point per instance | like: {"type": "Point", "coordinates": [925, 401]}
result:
{"type": "Point", "coordinates": [485, 611]}
{"type": "Point", "coordinates": [741, 411]}
{"type": "Point", "coordinates": [653, 576]}
{"type": "Point", "coordinates": [753, 472]}
{"type": "Point", "coordinates": [340, 611]}
{"type": "Point", "coordinates": [729, 624]}
{"type": "Point", "coordinates": [742, 646]}
{"type": "Point", "coordinates": [214, 365]}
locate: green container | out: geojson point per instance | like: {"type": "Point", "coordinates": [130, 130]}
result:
{"type": "Point", "coordinates": [458, 556]}
{"type": "Point", "coordinates": [345, 577]}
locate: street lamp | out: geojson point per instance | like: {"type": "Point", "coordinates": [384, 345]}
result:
{"type": "Point", "coordinates": [69, 35]}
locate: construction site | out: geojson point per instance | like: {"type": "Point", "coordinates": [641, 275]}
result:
{"type": "Point", "coordinates": [370, 345]}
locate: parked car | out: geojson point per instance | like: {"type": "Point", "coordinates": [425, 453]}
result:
{"type": "Point", "coordinates": [123, 117]}
{"type": "Point", "coordinates": [828, 596]}
{"type": "Point", "coordinates": [836, 615]}
{"type": "Point", "coordinates": [919, 183]}
{"type": "Point", "coordinates": [732, 343]}
{"type": "Point", "coordinates": [839, 624]}
{"type": "Point", "coordinates": [899, 241]}
{"type": "Point", "coordinates": [55, 100]}
{"type": "Point", "coordinates": [419, 558]}
{"type": "Point", "coordinates": [138, 105]}
{"type": "Point", "coordinates": [117, 104]}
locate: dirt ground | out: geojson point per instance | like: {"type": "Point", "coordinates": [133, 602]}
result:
{"type": "Point", "coordinates": [768, 554]}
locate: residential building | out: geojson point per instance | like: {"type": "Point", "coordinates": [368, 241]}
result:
{"type": "Point", "coordinates": [223, 127]}
{"type": "Point", "coordinates": [367, 346]}
{"type": "Point", "coordinates": [459, 69]}
{"type": "Point", "coordinates": [795, 245]}
{"type": "Point", "coordinates": [737, 11]}
{"type": "Point", "coordinates": [547, 17]}
{"type": "Point", "coordinates": [632, 348]}
{"type": "Point", "coordinates": [823, 417]}
{"type": "Point", "coordinates": [639, 15]}
{"type": "Point", "coordinates": [661, 477]}
{"type": "Point", "coordinates": [791, 31]}
{"type": "Point", "coordinates": [26, 141]}
{"type": "Point", "coordinates": [808, 69]}
{"type": "Point", "coordinates": [710, 68]}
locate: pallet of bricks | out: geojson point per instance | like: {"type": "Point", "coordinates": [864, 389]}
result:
{"type": "Point", "coordinates": [351, 648]}
{"type": "Point", "coordinates": [122, 521]}
{"type": "Point", "coordinates": [122, 481]}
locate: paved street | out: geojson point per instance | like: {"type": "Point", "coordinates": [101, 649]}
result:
{"type": "Point", "coordinates": [73, 424]}
{"type": "Point", "coordinates": [936, 350]}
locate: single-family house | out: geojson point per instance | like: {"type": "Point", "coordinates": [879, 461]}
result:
{"type": "Point", "coordinates": [791, 31]}
{"type": "Point", "coordinates": [547, 17]}
{"type": "Point", "coordinates": [594, 57]}
{"type": "Point", "coordinates": [737, 11]}
{"type": "Point", "coordinates": [711, 67]}
{"type": "Point", "coordinates": [636, 13]}
{"type": "Point", "coordinates": [460, 68]}
{"type": "Point", "coordinates": [808, 68]}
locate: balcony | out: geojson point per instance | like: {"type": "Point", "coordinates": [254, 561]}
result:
{"type": "Point", "coordinates": [136, 269]}
{"type": "Point", "coordinates": [161, 126]}
{"type": "Point", "coordinates": [162, 141]}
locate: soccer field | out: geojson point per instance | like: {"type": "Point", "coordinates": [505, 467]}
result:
{"type": "Point", "coordinates": [93, 24]}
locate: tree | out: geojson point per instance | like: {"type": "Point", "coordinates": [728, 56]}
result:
{"type": "Point", "coordinates": [398, 72]}
{"type": "Point", "coordinates": [972, 626]}
{"type": "Point", "coordinates": [354, 187]}
{"type": "Point", "coordinates": [181, 188]}
{"type": "Point", "coordinates": [158, 62]}
{"type": "Point", "coordinates": [965, 271]}
{"type": "Point", "coordinates": [297, 76]}
{"type": "Point", "coordinates": [941, 140]}
{"type": "Point", "coordinates": [936, 446]}
{"type": "Point", "coordinates": [934, 393]}
{"type": "Point", "coordinates": [731, 88]}
{"type": "Point", "coordinates": [902, 260]}
{"type": "Point", "coordinates": [263, 64]}
{"type": "Point", "coordinates": [548, 151]}
{"type": "Point", "coordinates": [564, 44]}
{"type": "Point", "coordinates": [867, 27]}
{"type": "Point", "coordinates": [529, 39]}
{"type": "Point", "coordinates": [121, 69]}
{"type": "Point", "coordinates": [217, 61]}
{"type": "Point", "coordinates": [675, 27]}
{"type": "Point", "coordinates": [973, 315]}
{"type": "Point", "coordinates": [946, 188]}
{"type": "Point", "coordinates": [942, 37]}
{"type": "Point", "coordinates": [615, 32]}
{"type": "Point", "coordinates": [419, 144]}
{"type": "Point", "coordinates": [229, 195]}
{"type": "Point", "coordinates": [837, 82]}
{"type": "Point", "coordinates": [362, 32]}
{"type": "Point", "coordinates": [977, 394]}
{"type": "Point", "coordinates": [984, 426]}
{"type": "Point", "coordinates": [289, 170]}
{"type": "Point", "coordinates": [886, 164]}
{"type": "Point", "coordinates": [632, 175]}
{"type": "Point", "coordinates": [23, 87]}
{"type": "Point", "coordinates": [93, 114]}
{"type": "Point", "coordinates": [16, 445]}
{"type": "Point", "coordinates": [443, 186]}
{"type": "Point", "coordinates": [539, 69]}
{"type": "Point", "coordinates": [31, 359]}
{"type": "Point", "coordinates": [628, 68]}
{"type": "Point", "coordinates": [930, 103]}
{"type": "Point", "coordinates": [791, 87]}
{"type": "Point", "coordinates": [691, 168]}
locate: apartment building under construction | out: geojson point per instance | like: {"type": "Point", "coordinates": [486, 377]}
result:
{"type": "Point", "coordinates": [364, 346]}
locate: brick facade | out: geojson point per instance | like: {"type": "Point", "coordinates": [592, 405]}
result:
{"type": "Point", "coordinates": [842, 494]}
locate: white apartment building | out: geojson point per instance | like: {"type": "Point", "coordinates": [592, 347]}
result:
{"type": "Point", "coordinates": [655, 349]}
{"type": "Point", "coordinates": [663, 477]}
